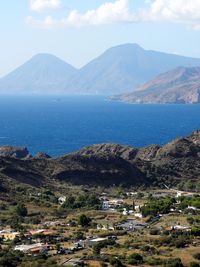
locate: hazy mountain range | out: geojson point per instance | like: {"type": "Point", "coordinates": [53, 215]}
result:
{"type": "Point", "coordinates": [118, 70]}
{"type": "Point", "coordinates": [181, 85]}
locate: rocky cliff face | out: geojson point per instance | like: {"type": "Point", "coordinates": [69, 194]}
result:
{"type": "Point", "coordinates": [108, 164]}
{"type": "Point", "coordinates": [14, 152]}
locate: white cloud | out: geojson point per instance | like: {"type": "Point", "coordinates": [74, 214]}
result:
{"type": "Point", "coordinates": [174, 11]}
{"type": "Point", "coordinates": [40, 5]}
{"type": "Point", "coordinates": [110, 12]}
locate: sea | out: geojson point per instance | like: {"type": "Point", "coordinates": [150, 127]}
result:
{"type": "Point", "coordinates": [58, 125]}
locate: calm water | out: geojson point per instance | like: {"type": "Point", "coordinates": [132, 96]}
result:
{"type": "Point", "coordinates": [59, 125]}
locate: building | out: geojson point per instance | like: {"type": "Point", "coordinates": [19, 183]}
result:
{"type": "Point", "coordinates": [112, 204]}
{"type": "Point", "coordinates": [106, 226]}
{"type": "Point", "coordinates": [45, 232]}
{"type": "Point", "coordinates": [184, 194]}
{"type": "Point", "coordinates": [179, 228]}
{"type": "Point", "coordinates": [33, 248]}
{"type": "Point", "coordinates": [131, 226]}
{"type": "Point", "coordinates": [93, 241]}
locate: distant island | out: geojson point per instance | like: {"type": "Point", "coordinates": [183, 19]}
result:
{"type": "Point", "coordinates": [179, 86]}
{"type": "Point", "coordinates": [118, 70]}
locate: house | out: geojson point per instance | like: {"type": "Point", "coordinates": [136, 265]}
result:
{"type": "Point", "coordinates": [185, 194]}
{"type": "Point", "coordinates": [93, 241]}
{"type": "Point", "coordinates": [33, 248]}
{"type": "Point", "coordinates": [180, 228]}
{"type": "Point", "coordinates": [54, 223]}
{"type": "Point", "coordinates": [106, 226]}
{"type": "Point", "coordinates": [9, 234]}
{"type": "Point", "coordinates": [126, 212]}
{"type": "Point", "coordinates": [112, 204]}
{"type": "Point", "coordinates": [45, 232]}
{"type": "Point", "coordinates": [131, 226]}
{"type": "Point", "coordinates": [138, 215]}
{"type": "Point", "coordinates": [132, 194]}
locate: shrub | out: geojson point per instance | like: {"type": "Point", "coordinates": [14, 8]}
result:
{"type": "Point", "coordinates": [21, 210]}
{"type": "Point", "coordinates": [84, 221]}
{"type": "Point", "coordinates": [135, 258]}
{"type": "Point", "coordinates": [10, 258]}
{"type": "Point", "coordinates": [173, 263]}
{"type": "Point", "coordinates": [197, 256]}
{"type": "Point", "coordinates": [195, 231]}
{"type": "Point", "coordinates": [154, 261]}
{"type": "Point", "coordinates": [180, 242]}
{"type": "Point", "coordinates": [194, 264]}
{"type": "Point", "coordinates": [115, 262]}
{"type": "Point", "coordinates": [154, 231]}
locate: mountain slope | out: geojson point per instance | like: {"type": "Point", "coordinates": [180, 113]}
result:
{"type": "Point", "coordinates": [108, 164]}
{"type": "Point", "coordinates": [119, 69]}
{"type": "Point", "coordinates": [123, 68]}
{"type": "Point", "coordinates": [42, 73]}
{"type": "Point", "coordinates": [181, 85]}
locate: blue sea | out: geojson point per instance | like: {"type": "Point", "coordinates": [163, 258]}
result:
{"type": "Point", "coordinates": [58, 125]}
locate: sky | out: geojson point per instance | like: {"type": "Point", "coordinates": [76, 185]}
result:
{"type": "Point", "coordinates": [79, 30]}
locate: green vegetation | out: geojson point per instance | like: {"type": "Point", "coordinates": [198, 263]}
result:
{"type": "Point", "coordinates": [135, 259]}
{"type": "Point", "coordinates": [84, 221]}
{"type": "Point", "coordinates": [155, 206]}
{"type": "Point", "coordinates": [73, 224]}
{"type": "Point", "coordinates": [21, 210]}
{"type": "Point", "coordinates": [189, 201]}
{"type": "Point", "coordinates": [82, 201]}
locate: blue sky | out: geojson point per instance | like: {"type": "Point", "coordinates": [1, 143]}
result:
{"type": "Point", "coordinates": [79, 30]}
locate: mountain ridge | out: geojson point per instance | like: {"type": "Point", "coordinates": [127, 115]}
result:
{"type": "Point", "coordinates": [108, 164]}
{"type": "Point", "coordinates": [119, 69]}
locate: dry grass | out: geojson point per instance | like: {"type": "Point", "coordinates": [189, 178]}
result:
{"type": "Point", "coordinates": [186, 254]}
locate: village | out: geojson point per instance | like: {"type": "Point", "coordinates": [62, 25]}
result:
{"type": "Point", "coordinates": [126, 228]}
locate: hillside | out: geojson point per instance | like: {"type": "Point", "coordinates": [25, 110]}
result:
{"type": "Point", "coordinates": [123, 68]}
{"type": "Point", "coordinates": [181, 85]}
{"type": "Point", "coordinates": [118, 70]}
{"type": "Point", "coordinates": [107, 164]}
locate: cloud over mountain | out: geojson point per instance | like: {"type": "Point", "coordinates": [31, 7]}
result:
{"type": "Point", "coordinates": [186, 12]}
{"type": "Point", "coordinates": [39, 5]}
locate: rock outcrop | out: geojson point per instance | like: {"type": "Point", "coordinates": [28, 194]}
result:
{"type": "Point", "coordinates": [14, 152]}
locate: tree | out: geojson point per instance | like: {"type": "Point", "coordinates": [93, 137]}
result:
{"type": "Point", "coordinates": [197, 256]}
{"type": "Point", "coordinates": [115, 262]}
{"type": "Point", "coordinates": [10, 258]}
{"type": "Point", "coordinates": [21, 210]}
{"type": "Point", "coordinates": [84, 221]}
{"type": "Point", "coordinates": [135, 258]}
